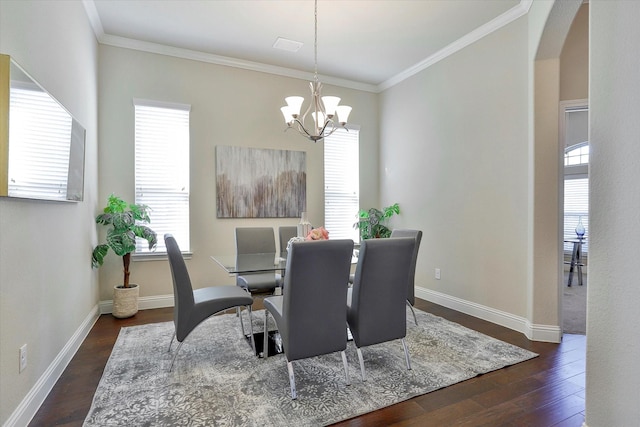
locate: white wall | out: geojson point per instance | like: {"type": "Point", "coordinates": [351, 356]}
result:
{"type": "Point", "coordinates": [613, 316]}
{"type": "Point", "coordinates": [574, 60]}
{"type": "Point", "coordinates": [454, 143]}
{"type": "Point", "coordinates": [229, 107]}
{"type": "Point", "coordinates": [47, 286]}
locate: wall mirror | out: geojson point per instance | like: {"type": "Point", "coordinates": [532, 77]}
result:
{"type": "Point", "coordinates": [41, 144]}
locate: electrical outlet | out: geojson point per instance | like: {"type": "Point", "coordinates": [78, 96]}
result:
{"type": "Point", "coordinates": [23, 357]}
{"type": "Point", "coordinates": [437, 273]}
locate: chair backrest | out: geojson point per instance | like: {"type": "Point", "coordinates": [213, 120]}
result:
{"type": "Point", "coordinates": [378, 302]}
{"type": "Point", "coordinates": [416, 234]}
{"type": "Point", "coordinates": [314, 298]}
{"type": "Point", "coordinates": [182, 289]}
{"type": "Point", "coordinates": [285, 233]}
{"type": "Point", "coordinates": [255, 240]}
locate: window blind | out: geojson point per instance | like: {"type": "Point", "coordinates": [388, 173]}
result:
{"type": "Point", "coordinates": [341, 182]}
{"type": "Point", "coordinates": [162, 169]}
{"type": "Point", "coordinates": [576, 208]}
{"type": "Point", "coordinates": [39, 164]}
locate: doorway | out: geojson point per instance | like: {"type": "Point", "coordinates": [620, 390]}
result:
{"type": "Point", "coordinates": [574, 143]}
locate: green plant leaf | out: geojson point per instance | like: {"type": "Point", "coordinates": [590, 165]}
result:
{"type": "Point", "coordinates": [115, 204]}
{"type": "Point", "coordinates": [97, 257]}
{"type": "Point", "coordinates": [121, 242]}
{"type": "Point", "coordinates": [148, 234]}
{"type": "Point", "coordinates": [104, 219]}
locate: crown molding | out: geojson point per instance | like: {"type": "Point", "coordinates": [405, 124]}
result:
{"type": "Point", "coordinates": [495, 24]}
{"type": "Point", "coordinates": [194, 55]}
{"type": "Point", "coordinates": [94, 18]}
{"type": "Point", "coordinates": [106, 39]}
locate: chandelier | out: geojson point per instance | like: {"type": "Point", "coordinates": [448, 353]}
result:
{"type": "Point", "coordinates": [324, 110]}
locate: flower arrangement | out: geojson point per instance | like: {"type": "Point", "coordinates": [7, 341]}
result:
{"type": "Point", "coordinates": [319, 233]}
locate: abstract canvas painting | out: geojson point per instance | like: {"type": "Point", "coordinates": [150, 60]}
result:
{"type": "Point", "coordinates": [260, 183]}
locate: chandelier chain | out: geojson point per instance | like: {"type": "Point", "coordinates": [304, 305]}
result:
{"type": "Point", "coordinates": [315, 42]}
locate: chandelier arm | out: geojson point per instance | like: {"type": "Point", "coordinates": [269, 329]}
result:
{"type": "Point", "coordinates": [326, 123]}
{"type": "Point", "coordinates": [301, 129]}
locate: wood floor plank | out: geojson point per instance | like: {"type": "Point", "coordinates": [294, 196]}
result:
{"type": "Point", "coordinates": [543, 392]}
{"type": "Point", "coordinates": [573, 421]}
{"type": "Point", "coordinates": [551, 414]}
{"type": "Point", "coordinates": [444, 416]}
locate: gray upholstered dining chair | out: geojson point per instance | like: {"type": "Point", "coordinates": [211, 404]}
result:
{"type": "Point", "coordinates": [191, 306]}
{"type": "Point", "coordinates": [411, 289]}
{"type": "Point", "coordinates": [257, 240]}
{"type": "Point", "coordinates": [285, 233]}
{"type": "Point", "coordinates": [311, 315]}
{"type": "Point", "coordinates": [376, 304]}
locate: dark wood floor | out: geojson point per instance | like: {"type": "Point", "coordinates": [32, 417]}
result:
{"type": "Point", "coordinates": [545, 391]}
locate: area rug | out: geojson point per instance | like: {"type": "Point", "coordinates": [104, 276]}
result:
{"type": "Point", "coordinates": [218, 382]}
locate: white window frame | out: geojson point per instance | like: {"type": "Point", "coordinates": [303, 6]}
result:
{"type": "Point", "coordinates": [162, 171]}
{"type": "Point", "coordinates": [341, 182]}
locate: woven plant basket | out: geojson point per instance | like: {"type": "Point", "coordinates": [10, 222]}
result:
{"type": "Point", "coordinates": [125, 301]}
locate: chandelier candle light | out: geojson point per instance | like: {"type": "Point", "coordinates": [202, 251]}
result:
{"type": "Point", "coordinates": [323, 109]}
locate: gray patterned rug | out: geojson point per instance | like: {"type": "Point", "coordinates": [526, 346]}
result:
{"type": "Point", "coordinates": [217, 381]}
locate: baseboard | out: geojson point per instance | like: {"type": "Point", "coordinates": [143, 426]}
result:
{"type": "Point", "coordinates": [535, 332]}
{"type": "Point", "coordinates": [546, 333]}
{"type": "Point", "coordinates": [29, 406]}
{"type": "Point", "coordinates": [144, 303]}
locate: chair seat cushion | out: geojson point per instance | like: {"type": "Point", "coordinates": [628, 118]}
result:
{"type": "Point", "coordinates": [218, 298]}
{"type": "Point", "coordinates": [258, 282]}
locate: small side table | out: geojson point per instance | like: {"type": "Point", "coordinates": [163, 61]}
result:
{"type": "Point", "coordinates": [576, 260]}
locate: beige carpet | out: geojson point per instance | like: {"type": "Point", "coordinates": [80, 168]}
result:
{"type": "Point", "coordinates": [574, 306]}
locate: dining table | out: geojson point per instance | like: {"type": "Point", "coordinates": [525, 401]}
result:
{"type": "Point", "coordinates": [251, 263]}
{"type": "Point", "coordinates": [257, 263]}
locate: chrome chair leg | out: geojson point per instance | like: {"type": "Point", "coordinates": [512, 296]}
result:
{"type": "Point", "coordinates": [174, 356]}
{"type": "Point", "coordinates": [346, 367]}
{"type": "Point", "coordinates": [364, 378]}
{"type": "Point", "coordinates": [406, 354]}
{"type": "Point", "coordinates": [253, 342]}
{"type": "Point", "coordinates": [265, 345]}
{"type": "Point", "coordinates": [292, 381]}
{"type": "Point", "coordinates": [171, 342]}
{"type": "Point", "coordinates": [239, 314]}
{"type": "Point", "coordinates": [415, 319]}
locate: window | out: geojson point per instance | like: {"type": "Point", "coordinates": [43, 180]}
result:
{"type": "Point", "coordinates": [341, 183]}
{"type": "Point", "coordinates": [577, 155]}
{"type": "Point", "coordinates": [162, 169]}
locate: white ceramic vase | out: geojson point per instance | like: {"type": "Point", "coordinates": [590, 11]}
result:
{"type": "Point", "coordinates": [304, 227]}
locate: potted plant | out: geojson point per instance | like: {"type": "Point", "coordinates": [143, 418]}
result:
{"type": "Point", "coordinates": [373, 222]}
{"type": "Point", "coordinates": [126, 223]}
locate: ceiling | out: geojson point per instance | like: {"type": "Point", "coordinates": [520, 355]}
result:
{"type": "Point", "coordinates": [362, 44]}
